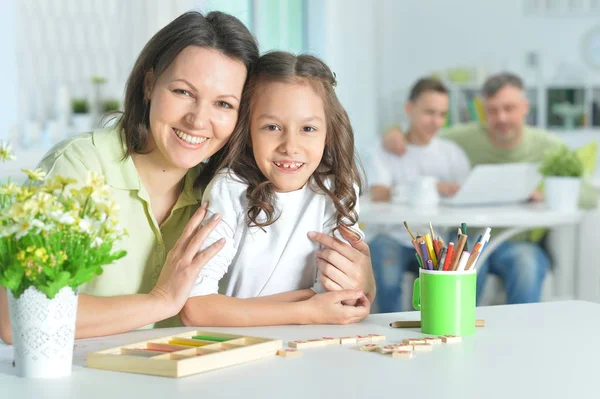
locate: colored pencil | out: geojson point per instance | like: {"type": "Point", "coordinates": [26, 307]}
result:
{"type": "Point", "coordinates": [449, 255]}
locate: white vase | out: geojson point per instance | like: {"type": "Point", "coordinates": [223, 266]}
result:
{"type": "Point", "coordinates": [43, 332]}
{"type": "Point", "coordinates": [562, 193]}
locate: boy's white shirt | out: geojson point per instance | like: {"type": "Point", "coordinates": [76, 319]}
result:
{"type": "Point", "coordinates": [258, 262]}
{"type": "Point", "coordinates": [441, 159]}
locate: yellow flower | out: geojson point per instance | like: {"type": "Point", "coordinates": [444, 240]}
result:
{"type": "Point", "coordinates": [17, 211]}
{"type": "Point", "coordinates": [34, 175]}
{"type": "Point", "coordinates": [23, 228]}
{"type": "Point", "coordinates": [6, 153]}
{"type": "Point", "coordinates": [95, 180]}
{"type": "Point", "coordinates": [10, 189]}
{"type": "Point", "coordinates": [24, 194]}
{"type": "Point", "coordinates": [64, 181]}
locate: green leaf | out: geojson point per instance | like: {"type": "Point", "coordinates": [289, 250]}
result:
{"type": "Point", "coordinates": [562, 162]}
{"type": "Point", "coordinates": [51, 288]}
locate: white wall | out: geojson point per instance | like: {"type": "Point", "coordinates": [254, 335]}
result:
{"type": "Point", "coordinates": [349, 48]}
{"type": "Point", "coordinates": [379, 48]}
{"type": "Point", "coordinates": [8, 68]}
{"type": "Point", "coordinates": [419, 37]}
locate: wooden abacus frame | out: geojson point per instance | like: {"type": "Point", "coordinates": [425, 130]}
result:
{"type": "Point", "coordinates": [181, 355]}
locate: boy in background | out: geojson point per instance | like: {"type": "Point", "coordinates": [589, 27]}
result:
{"type": "Point", "coordinates": [390, 175]}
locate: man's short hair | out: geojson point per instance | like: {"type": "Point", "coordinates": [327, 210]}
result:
{"type": "Point", "coordinates": [424, 85]}
{"type": "Point", "coordinates": [494, 83]}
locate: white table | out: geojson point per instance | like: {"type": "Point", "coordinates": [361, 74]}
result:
{"type": "Point", "coordinates": [544, 350]}
{"type": "Point", "coordinates": [513, 219]}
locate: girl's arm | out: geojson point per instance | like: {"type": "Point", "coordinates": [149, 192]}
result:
{"type": "Point", "coordinates": [223, 311]}
{"type": "Point", "coordinates": [98, 316]}
{"type": "Point", "coordinates": [291, 296]}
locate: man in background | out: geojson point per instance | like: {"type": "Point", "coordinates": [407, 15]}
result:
{"type": "Point", "coordinates": [390, 175]}
{"type": "Point", "coordinates": [521, 263]}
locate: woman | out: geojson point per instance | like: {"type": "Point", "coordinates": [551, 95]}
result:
{"type": "Point", "coordinates": [181, 105]}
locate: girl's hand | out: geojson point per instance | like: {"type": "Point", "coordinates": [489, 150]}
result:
{"type": "Point", "coordinates": [345, 266]}
{"type": "Point", "coordinates": [328, 308]}
{"type": "Point", "coordinates": [185, 260]}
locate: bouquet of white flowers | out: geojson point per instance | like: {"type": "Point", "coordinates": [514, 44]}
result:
{"type": "Point", "coordinates": [53, 233]}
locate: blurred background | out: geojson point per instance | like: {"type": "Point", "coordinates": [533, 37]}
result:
{"type": "Point", "coordinates": [65, 62]}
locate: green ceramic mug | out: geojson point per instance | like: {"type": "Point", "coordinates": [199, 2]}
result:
{"type": "Point", "coordinates": [447, 301]}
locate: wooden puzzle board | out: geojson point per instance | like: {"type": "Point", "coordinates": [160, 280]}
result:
{"type": "Point", "coordinates": [181, 355]}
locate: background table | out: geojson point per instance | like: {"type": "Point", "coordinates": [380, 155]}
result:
{"type": "Point", "coordinates": [513, 219]}
{"type": "Point", "coordinates": [544, 350]}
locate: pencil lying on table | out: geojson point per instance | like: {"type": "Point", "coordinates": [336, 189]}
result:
{"type": "Point", "coordinates": [417, 323]}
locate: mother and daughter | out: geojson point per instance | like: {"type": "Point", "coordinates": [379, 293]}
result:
{"type": "Point", "coordinates": [234, 173]}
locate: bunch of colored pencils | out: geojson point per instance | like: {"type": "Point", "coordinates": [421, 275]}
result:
{"type": "Point", "coordinates": [433, 254]}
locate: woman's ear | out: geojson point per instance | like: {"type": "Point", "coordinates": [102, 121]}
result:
{"type": "Point", "coordinates": [148, 85]}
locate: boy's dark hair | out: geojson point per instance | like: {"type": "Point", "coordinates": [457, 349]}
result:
{"type": "Point", "coordinates": [339, 162]}
{"type": "Point", "coordinates": [424, 85]}
{"type": "Point", "coordinates": [216, 30]}
{"type": "Point", "coordinates": [494, 83]}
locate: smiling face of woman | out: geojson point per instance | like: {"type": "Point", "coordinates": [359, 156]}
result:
{"type": "Point", "coordinates": [194, 106]}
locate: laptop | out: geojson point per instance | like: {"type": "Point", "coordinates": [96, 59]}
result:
{"type": "Point", "coordinates": [497, 184]}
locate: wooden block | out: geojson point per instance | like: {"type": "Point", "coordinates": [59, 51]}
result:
{"type": "Point", "coordinates": [433, 341]}
{"type": "Point", "coordinates": [289, 353]}
{"type": "Point", "coordinates": [384, 350]}
{"type": "Point", "coordinates": [311, 343]}
{"type": "Point", "coordinates": [369, 347]}
{"type": "Point", "coordinates": [364, 338]}
{"type": "Point", "coordinates": [186, 342]}
{"type": "Point", "coordinates": [422, 347]}
{"type": "Point", "coordinates": [402, 354]}
{"type": "Point", "coordinates": [412, 341]}
{"type": "Point", "coordinates": [377, 337]}
{"type": "Point", "coordinates": [451, 339]}
{"type": "Point", "coordinates": [331, 340]}
{"type": "Point", "coordinates": [403, 348]}
{"type": "Point", "coordinates": [348, 340]}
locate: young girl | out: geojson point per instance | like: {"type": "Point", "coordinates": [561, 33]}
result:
{"type": "Point", "coordinates": [291, 170]}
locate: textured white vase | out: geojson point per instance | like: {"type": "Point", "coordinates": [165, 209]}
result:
{"type": "Point", "coordinates": [562, 193]}
{"type": "Point", "coordinates": [43, 332]}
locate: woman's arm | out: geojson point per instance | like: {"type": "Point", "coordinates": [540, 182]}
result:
{"type": "Point", "coordinates": [224, 311]}
{"type": "Point", "coordinates": [98, 316]}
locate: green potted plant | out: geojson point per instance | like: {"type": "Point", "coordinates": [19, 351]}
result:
{"type": "Point", "coordinates": [109, 105]}
{"type": "Point", "coordinates": [81, 118]}
{"type": "Point", "coordinates": [563, 171]}
{"type": "Point", "coordinates": [55, 234]}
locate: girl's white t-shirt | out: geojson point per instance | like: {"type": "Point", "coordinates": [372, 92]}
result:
{"type": "Point", "coordinates": [264, 261]}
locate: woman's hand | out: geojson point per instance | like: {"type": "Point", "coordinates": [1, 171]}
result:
{"type": "Point", "coordinates": [185, 260]}
{"type": "Point", "coordinates": [328, 307]}
{"type": "Point", "coordinates": [345, 266]}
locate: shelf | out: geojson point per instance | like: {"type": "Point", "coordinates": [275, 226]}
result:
{"type": "Point", "coordinates": [556, 106]}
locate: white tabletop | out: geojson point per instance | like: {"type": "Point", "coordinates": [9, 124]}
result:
{"type": "Point", "coordinates": [544, 350]}
{"type": "Point", "coordinates": [517, 215]}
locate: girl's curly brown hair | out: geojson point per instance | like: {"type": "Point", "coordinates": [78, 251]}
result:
{"type": "Point", "coordinates": [339, 162]}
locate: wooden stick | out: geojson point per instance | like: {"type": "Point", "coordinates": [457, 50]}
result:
{"type": "Point", "coordinates": [417, 324]}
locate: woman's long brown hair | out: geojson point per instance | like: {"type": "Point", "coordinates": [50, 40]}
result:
{"type": "Point", "coordinates": [339, 162]}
